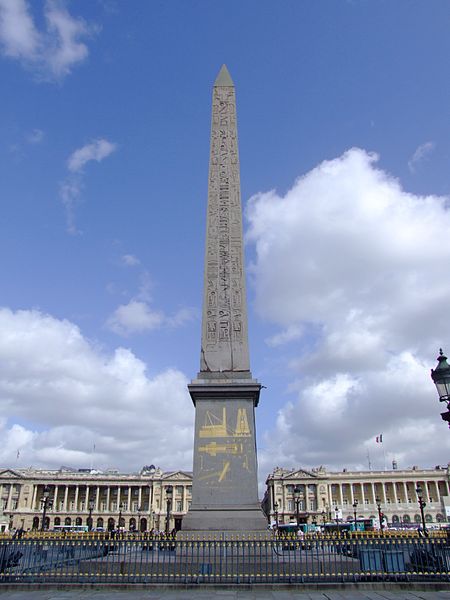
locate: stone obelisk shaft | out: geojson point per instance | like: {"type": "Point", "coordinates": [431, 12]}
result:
{"type": "Point", "coordinates": [224, 323]}
{"type": "Point", "coordinates": [224, 483]}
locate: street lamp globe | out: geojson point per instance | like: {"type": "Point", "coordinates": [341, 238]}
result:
{"type": "Point", "coordinates": [441, 377]}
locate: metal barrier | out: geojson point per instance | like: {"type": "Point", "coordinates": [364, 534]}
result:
{"type": "Point", "coordinates": [225, 562]}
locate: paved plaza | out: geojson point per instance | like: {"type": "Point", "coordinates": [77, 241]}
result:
{"type": "Point", "coordinates": [168, 593]}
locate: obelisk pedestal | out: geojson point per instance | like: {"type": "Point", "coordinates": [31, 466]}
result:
{"type": "Point", "coordinates": [224, 487]}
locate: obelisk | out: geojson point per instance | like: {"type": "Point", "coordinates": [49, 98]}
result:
{"type": "Point", "coordinates": [224, 487]}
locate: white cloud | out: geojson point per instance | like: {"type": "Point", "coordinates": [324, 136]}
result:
{"type": "Point", "coordinates": [96, 150]}
{"type": "Point", "coordinates": [52, 376]}
{"type": "Point", "coordinates": [421, 153]}
{"type": "Point", "coordinates": [357, 267]}
{"type": "Point", "coordinates": [134, 317]}
{"type": "Point", "coordinates": [137, 316]}
{"type": "Point", "coordinates": [70, 189]}
{"type": "Point", "coordinates": [35, 137]}
{"type": "Point", "coordinates": [129, 260]}
{"type": "Point", "coordinates": [50, 53]}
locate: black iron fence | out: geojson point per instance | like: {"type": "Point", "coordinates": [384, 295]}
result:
{"type": "Point", "coordinates": [186, 562]}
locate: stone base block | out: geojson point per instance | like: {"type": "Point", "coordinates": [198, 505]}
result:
{"type": "Point", "coordinates": [223, 520]}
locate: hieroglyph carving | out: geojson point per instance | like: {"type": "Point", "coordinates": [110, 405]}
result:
{"type": "Point", "coordinates": [225, 346]}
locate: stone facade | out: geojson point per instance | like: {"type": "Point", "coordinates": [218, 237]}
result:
{"type": "Point", "coordinates": [322, 492]}
{"type": "Point", "coordinates": [141, 499]}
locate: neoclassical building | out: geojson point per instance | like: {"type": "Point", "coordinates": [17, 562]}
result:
{"type": "Point", "coordinates": [323, 496]}
{"type": "Point", "coordinates": [153, 499]}
{"type": "Point", "coordinates": [150, 499]}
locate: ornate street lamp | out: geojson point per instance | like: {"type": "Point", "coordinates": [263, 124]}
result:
{"type": "Point", "coordinates": [297, 491]}
{"type": "Point", "coordinates": [336, 516]}
{"type": "Point", "coordinates": [355, 506]}
{"type": "Point", "coordinates": [45, 503]}
{"type": "Point", "coordinates": [139, 510]}
{"type": "Point", "coordinates": [422, 505]}
{"type": "Point", "coordinates": [441, 377]}
{"type": "Point", "coordinates": [380, 514]}
{"type": "Point", "coordinates": [275, 508]}
{"type": "Point", "coordinates": [91, 508]}
{"type": "Point", "coordinates": [119, 525]}
{"type": "Point", "coordinates": [169, 496]}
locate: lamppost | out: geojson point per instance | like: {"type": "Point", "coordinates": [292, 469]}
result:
{"type": "Point", "coordinates": [91, 508]}
{"type": "Point", "coordinates": [297, 491]}
{"type": "Point", "coordinates": [169, 495]}
{"type": "Point", "coordinates": [45, 503]}
{"type": "Point", "coordinates": [380, 514]}
{"type": "Point", "coordinates": [275, 508]}
{"type": "Point", "coordinates": [355, 506]}
{"type": "Point", "coordinates": [441, 377]}
{"type": "Point", "coordinates": [119, 524]}
{"type": "Point", "coordinates": [422, 505]}
{"type": "Point", "coordinates": [336, 516]}
{"type": "Point", "coordinates": [139, 510]}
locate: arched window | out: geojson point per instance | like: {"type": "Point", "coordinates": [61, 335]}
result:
{"type": "Point", "coordinates": [78, 521]}
{"type": "Point", "coordinates": [111, 524]}
{"type": "Point", "coordinates": [440, 518]}
{"type": "Point", "coordinates": [132, 524]}
{"type": "Point", "coordinates": [417, 519]}
{"type": "Point", "coordinates": [57, 521]}
{"type": "Point", "coordinates": [99, 522]}
{"type": "Point", "coordinates": [428, 518]}
{"type": "Point", "coordinates": [395, 519]}
{"type": "Point", "coordinates": [67, 521]}
{"type": "Point", "coordinates": [143, 526]}
{"type": "Point", "coordinates": [35, 523]}
{"type": "Point", "coordinates": [406, 519]}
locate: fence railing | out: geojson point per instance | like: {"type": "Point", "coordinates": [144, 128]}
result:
{"type": "Point", "coordinates": [184, 562]}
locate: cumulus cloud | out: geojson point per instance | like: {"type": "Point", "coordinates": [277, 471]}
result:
{"type": "Point", "coordinates": [51, 52]}
{"type": "Point", "coordinates": [95, 150]}
{"type": "Point", "coordinates": [77, 396]}
{"type": "Point", "coordinates": [421, 153]}
{"type": "Point", "coordinates": [352, 270]}
{"type": "Point", "coordinates": [70, 189]}
{"type": "Point", "coordinates": [137, 316]}
{"type": "Point", "coordinates": [129, 260]}
{"type": "Point", "coordinates": [134, 317]}
{"type": "Point", "coordinates": [35, 136]}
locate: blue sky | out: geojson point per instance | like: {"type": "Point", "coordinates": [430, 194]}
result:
{"type": "Point", "coordinates": [344, 123]}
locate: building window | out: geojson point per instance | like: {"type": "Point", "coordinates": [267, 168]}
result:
{"type": "Point", "coordinates": [290, 505]}
{"type": "Point", "coordinates": [189, 489]}
{"type": "Point", "coordinates": [179, 489]}
{"type": "Point", "coordinates": [290, 489]}
{"type": "Point", "coordinates": [179, 506]}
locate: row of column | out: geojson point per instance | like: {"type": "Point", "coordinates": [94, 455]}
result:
{"type": "Point", "coordinates": [388, 491]}
{"type": "Point", "coordinates": [91, 493]}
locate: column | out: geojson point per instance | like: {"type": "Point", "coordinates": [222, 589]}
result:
{"type": "Point", "coordinates": [340, 496]}
{"type": "Point", "coordinates": [66, 497]}
{"type": "Point", "coordinates": [108, 497]}
{"type": "Point", "coordinates": [33, 500]}
{"type": "Point", "coordinates": [129, 499]}
{"type": "Point", "coordinates": [77, 489]}
{"type": "Point", "coordinates": [405, 492]}
{"type": "Point", "coordinates": [140, 497]}
{"type": "Point", "coordinates": [363, 496]}
{"type": "Point", "coordinates": [86, 498]}
{"type": "Point", "coordinates": [352, 497]}
{"type": "Point", "coordinates": [8, 502]}
{"type": "Point", "coordinates": [394, 489]}
{"type": "Point", "coordinates": [97, 499]}
{"type": "Point", "coordinates": [118, 497]}
{"type": "Point", "coordinates": [55, 499]}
